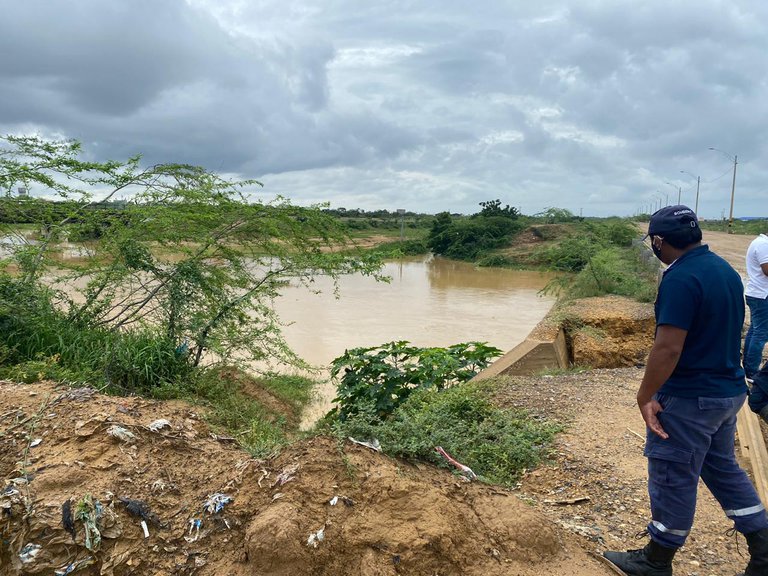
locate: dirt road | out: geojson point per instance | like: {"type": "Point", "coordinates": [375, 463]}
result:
{"type": "Point", "coordinates": [597, 486]}
{"type": "Point", "coordinates": [732, 247]}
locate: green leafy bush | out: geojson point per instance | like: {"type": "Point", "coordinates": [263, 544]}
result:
{"type": "Point", "coordinates": [380, 378]}
{"type": "Point", "coordinates": [574, 252]}
{"type": "Point", "coordinates": [571, 254]}
{"type": "Point", "coordinates": [398, 249]}
{"type": "Point", "coordinates": [469, 238]}
{"type": "Point", "coordinates": [612, 270]}
{"type": "Point", "coordinates": [497, 444]}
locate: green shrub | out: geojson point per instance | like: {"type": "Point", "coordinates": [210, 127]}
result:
{"type": "Point", "coordinates": [380, 378]}
{"type": "Point", "coordinates": [612, 270]}
{"type": "Point", "coordinates": [497, 261]}
{"type": "Point", "coordinates": [497, 444]}
{"type": "Point", "coordinates": [398, 249]}
{"type": "Point", "coordinates": [621, 272]}
{"type": "Point", "coordinates": [571, 254]}
{"type": "Point", "coordinates": [469, 238]}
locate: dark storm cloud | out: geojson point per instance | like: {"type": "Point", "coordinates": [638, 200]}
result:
{"type": "Point", "coordinates": [108, 57]}
{"type": "Point", "coordinates": [546, 103]}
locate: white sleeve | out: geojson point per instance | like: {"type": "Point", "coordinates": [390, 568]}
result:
{"type": "Point", "coordinates": [761, 253]}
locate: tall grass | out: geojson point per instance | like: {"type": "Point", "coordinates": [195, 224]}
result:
{"type": "Point", "coordinates": [38, 341]}
{"type": "Point", "coordinates": [38, 338]}
{"type": "Point", "coordinates": [746, 227]}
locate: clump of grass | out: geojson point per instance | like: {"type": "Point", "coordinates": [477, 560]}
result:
{"type": "Point", "coordinates": [294, 390]}
{"type": "Point", "coordinates": [498, 444]}
{"type": "Point", "coordinates": [39, 342]}
{"type": "Point", "coordinates": [260, 429]}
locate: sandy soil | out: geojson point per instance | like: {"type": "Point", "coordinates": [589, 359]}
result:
{"type": "Point", "coordinates": [596, 486]}
{"type": "Point", "coordinates": [59, 448]}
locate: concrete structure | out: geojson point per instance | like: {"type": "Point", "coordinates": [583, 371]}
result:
{"type": "Point", "coordinates": [531, 356]}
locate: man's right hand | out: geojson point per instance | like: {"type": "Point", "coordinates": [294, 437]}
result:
{"type": "Point", "coordinates": [649, 409]}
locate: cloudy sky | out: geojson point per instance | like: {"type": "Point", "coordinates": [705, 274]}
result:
{"type": "Point", "coordinates": [591, 105]}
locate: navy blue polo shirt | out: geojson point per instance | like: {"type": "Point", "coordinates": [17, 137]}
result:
{"type": "Point", "coordinates": [702, 294]}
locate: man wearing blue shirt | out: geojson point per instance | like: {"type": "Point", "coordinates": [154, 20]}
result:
{"type": "Point", "coordinates": [691, 391]}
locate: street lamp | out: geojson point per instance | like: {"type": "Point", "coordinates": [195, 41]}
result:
{"type": "Point", "coordinates": [733, 186]}
{"type": "Point", "coordinates": [698, 182]}
{"type": "Point", "coordinates": [679, 191]}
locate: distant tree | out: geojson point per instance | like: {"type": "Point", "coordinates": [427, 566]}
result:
{"type": "Point", "coordinates": [469, 238]}
{"type": "Point", "coordinates": [493, 208]}
{"type": "Point", "coordinates": [439, 237]}
{"type": "Point", "coordinates": [556, 215]}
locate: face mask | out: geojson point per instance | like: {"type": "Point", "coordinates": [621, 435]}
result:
{"type": "Point", "coordinates": [656, 251]}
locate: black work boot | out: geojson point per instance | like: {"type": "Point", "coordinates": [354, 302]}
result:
{"type": "Point", "coordinates": [653, 560]}
{"type": "Point", "coordinates": [758, 553]}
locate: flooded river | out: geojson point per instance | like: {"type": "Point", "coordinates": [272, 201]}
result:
{"type": "Point", "coordinates": [429, 302]}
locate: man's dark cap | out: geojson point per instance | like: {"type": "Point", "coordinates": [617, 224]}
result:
{"type": "Point", "coordinates": [671, 219]}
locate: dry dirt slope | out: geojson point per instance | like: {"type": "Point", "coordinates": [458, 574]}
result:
{"type": "Point", "coordinates": [391, 517]}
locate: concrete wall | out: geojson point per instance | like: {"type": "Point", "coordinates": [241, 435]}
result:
{"type": "Point", "coordinates": [529, 357]}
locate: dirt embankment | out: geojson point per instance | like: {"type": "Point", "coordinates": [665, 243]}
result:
{"type": "Point", "coordinates": [601, 332]}
{"type": "Point", "coordinates": [79, 466]}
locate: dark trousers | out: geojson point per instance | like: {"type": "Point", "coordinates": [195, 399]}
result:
{"type": "Point", "coordinates": [700, 445]}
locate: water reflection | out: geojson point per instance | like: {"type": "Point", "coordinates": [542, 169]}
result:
{"type": "Point", "coordinates": [429, 302]}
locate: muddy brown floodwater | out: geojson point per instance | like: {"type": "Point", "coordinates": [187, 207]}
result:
{"type": "Point", "coordinates": [429, 302]}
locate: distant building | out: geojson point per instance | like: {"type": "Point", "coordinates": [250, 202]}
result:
{"type": "Point", "coordinates": [22, 191]}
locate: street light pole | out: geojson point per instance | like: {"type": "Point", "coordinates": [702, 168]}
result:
{"type": "Point", "coordinates": [698, 183]}
{"type": "Point", "coordinates": [733, 191]}
{"type": "Point", "coordinates": [679, 192]}
{"type": "Point", "coordinates": [733, 187]}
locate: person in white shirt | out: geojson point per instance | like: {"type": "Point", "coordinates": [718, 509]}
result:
{"type": "Point", "coordinates": [756, 294]}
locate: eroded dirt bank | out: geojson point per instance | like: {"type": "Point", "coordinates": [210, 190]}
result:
{"type": "Point", "coordinates": [72, 459]}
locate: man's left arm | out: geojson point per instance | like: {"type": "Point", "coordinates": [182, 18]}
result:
{"type": "Point", "coordinates": [664, 355]}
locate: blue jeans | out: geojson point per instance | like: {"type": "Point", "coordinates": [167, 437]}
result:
{"type": "Point", "coordinates": [757, 335]}
{"type": "Point", "coordinates": [758, 392]}
{"type": "Point", "coordinates": [700, 445]}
